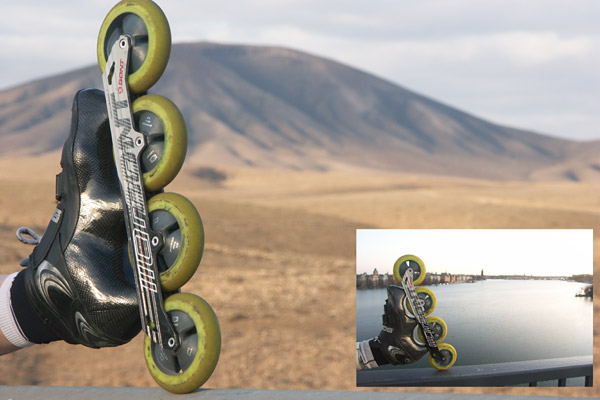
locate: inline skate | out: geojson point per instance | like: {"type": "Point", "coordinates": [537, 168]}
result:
{"type": "Point", "coordinates": [165, 232]}
{"type": "Point", "coordinates": [412, 306]}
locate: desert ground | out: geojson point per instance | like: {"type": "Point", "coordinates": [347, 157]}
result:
{"type": "Point", "coordinates": [279, 265]}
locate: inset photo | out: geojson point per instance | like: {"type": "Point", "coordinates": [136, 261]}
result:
{"type": "Point", "coordinates": [474, 307]}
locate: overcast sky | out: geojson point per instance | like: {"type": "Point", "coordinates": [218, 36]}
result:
{"type": "Point", "coordinates": [545, 252]}
{"type": "Point", "coordinates": [531, 64]}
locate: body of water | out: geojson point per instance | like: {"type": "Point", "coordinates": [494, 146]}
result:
{"type": "Point", "coordinates": [497, 321]}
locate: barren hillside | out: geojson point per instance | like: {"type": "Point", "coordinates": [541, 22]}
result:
{"type": "Point", "coordinates": [276, 107]}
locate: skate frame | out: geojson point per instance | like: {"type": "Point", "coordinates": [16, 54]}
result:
{"type": "Point", "coordinates": [418, 308]}
{"type": "Point", "coordinates": [143, 242]}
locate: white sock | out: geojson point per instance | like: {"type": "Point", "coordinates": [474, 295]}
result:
{"type": "Point", "coordinates": [364, 356]}
{"type": "Point", "coordinates": [8, 323]}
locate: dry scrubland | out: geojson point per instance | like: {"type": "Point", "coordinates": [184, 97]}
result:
{"type": "Point", "coordinates": [279, 265]}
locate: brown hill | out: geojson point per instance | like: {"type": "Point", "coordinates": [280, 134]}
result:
{"type": "Point", "coordinates": [275, 107]}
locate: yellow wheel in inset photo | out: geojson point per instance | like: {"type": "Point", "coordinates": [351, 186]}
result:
{"type": "Point", "coordinates": [449, 352]}
{"type": "Point", "coordinates": [409, 261]}
{"type": "Point", "coordinates": [147, 27]}
{"type": "Point", "coordinates": [179, 225]}
{"type": "Point", "coordinates": [427, 296]}
{"type": "Point", "coordinates": [190, 366]}
{"type": "Point", "coordinates": [163, 126]}
{"type": "Point", "coordinates": [438, 328]}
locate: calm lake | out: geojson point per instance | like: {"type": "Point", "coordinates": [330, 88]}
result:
{"type": "Point", "coordinates": [497, 321]}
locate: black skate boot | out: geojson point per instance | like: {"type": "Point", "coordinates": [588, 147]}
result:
{"type": "Point", "coordinates": [78, 279]}
{"type": "Point", "coordinates": [402, 339]}
{"type": "Point", "coordinates": [396, 343]}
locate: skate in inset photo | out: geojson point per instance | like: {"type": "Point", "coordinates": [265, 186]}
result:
{"type": "Point", "coordinates": [506, 302]}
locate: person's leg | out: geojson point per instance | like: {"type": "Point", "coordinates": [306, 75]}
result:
{"type": "Point", "coordinates": [6, 346]}
{"type": "Point", "coordinates": [6, 317]}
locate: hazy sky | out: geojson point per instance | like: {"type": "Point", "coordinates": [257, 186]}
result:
{"type": "Point", "coordinates": [531, 64]}
{"type": "Point", "coordinates": [546, 252]}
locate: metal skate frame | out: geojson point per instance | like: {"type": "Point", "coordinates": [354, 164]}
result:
{"type": "Point", "coordinates": [418, 308]}
{"type": "Point", "coordinates": [143, 242]}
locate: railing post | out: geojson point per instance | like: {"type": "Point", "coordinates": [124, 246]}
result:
{"type": "Point", "coordinates": [562, 382]}
{"type": "Point", "coordinates": [589, 381]}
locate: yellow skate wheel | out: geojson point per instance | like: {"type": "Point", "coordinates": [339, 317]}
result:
{"type": "Point", "coordinates": [449, 353]}
{"type": "Point", "coordinates": [166, 138]}
{"type": "Point", "coordinates": [438, 328]}
{"type": "Point", "coordinates": [427, 296]}
{"type": "Point", "coordinates": [188, 368]}
{"type": "Point", "coordinates": [404, 263]}
{"type": "Point", "coordinates": [178, 224]}
{"type": "Point", "coordinates": [145, 23]}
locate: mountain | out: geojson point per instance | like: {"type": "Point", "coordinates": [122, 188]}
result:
{"type": "Point", "coordinates": [276, 107]}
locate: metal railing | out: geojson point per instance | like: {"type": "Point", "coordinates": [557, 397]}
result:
{"type": "Point", "coordinates": [504, 374]}
{"type": "Point", "coordinates": [109, 393]}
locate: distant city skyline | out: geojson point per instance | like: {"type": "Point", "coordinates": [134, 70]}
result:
{"type": "Point", "coordinates": [538, 252]}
